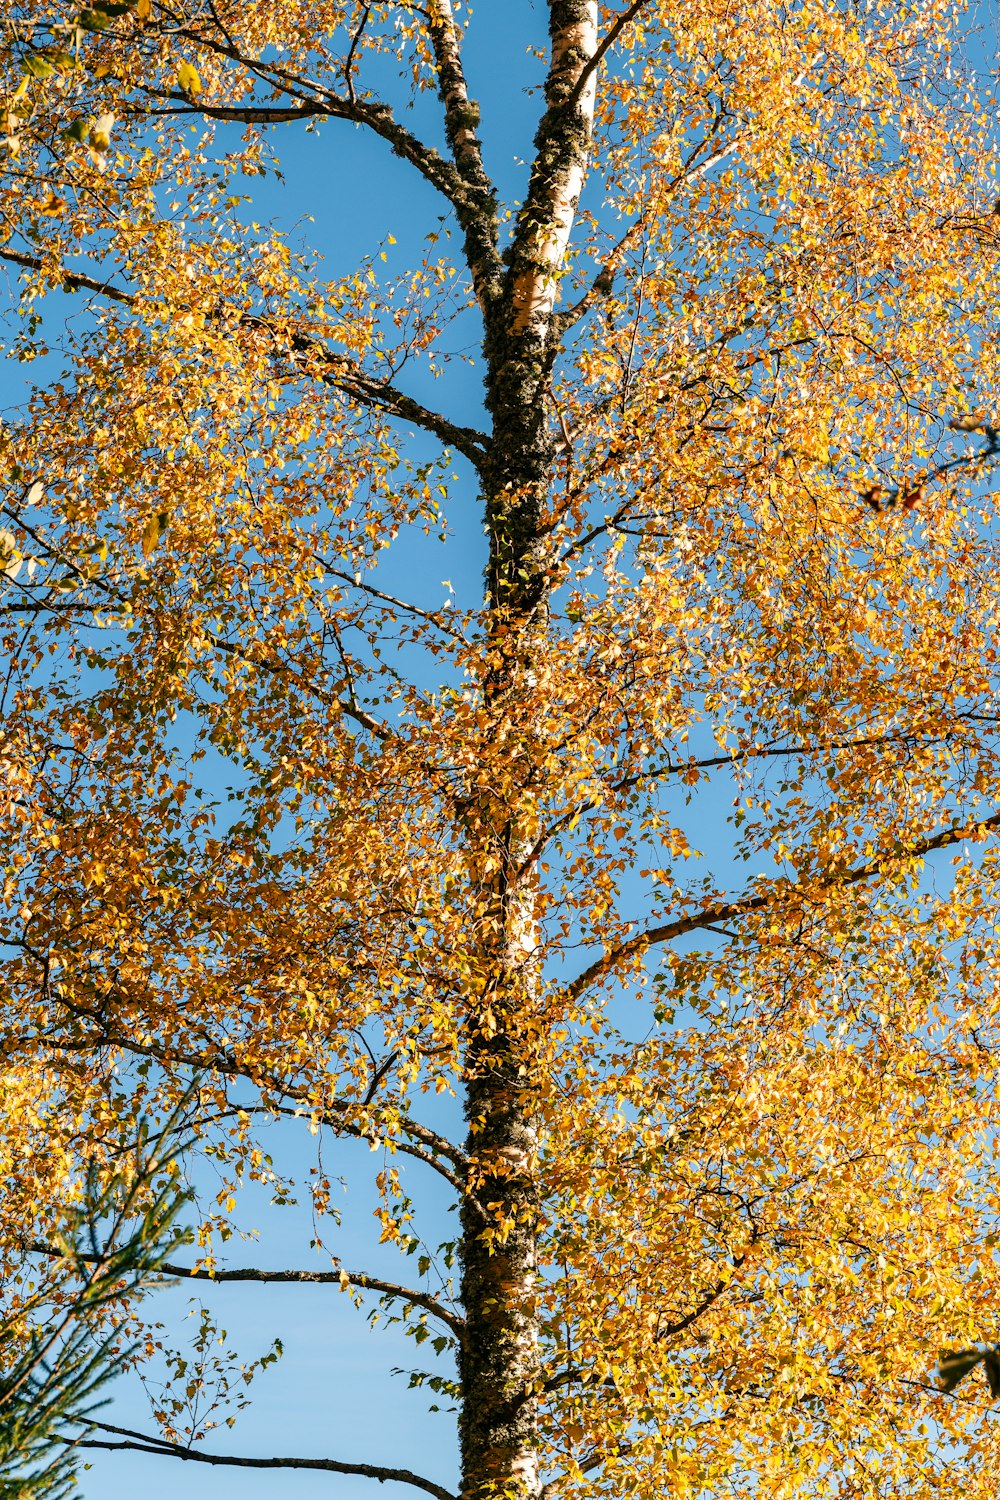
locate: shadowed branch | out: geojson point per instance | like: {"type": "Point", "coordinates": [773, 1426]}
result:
{"type": "Point", "coordinates": [319, 1278]}
{"type": "Point", "coordinates": [730, 911]}
{"type": "Point", "coordinates": [141, 1442]}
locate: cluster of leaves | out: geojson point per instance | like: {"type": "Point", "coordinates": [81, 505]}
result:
{"type": "Point", "coordinates": [202, 1379]}
{"type": "Point", "coordinates": [48, 59]}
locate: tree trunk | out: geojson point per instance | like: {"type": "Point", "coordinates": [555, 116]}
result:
{"type": "Point", "coordinates": [499, 1361]}
{"type": "Point", "coordinates": [499, 1229]}
{"type": "Point", "coordinates": [500, 1358]}
{"type": "Point", "coordinates": [499, 1364]}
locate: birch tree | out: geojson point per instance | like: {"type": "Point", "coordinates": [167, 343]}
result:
{"type": "Point", "coordinates": [670, 852]}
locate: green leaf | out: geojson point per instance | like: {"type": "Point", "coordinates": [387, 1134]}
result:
{"type": "Point", "coordinates": [94, 20]}
{"type": "Point", "coordinates": [37, 66]}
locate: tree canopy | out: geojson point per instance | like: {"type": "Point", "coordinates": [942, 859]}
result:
{"type": "Point", "coordinates": [669, 850]}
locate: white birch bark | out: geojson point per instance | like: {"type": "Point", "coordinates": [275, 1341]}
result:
{"type": "Point", "coordinates": [550, 211]}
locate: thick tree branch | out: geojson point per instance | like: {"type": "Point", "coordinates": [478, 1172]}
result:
{"type": "Point", "coordinates": [349, 707]}
{"type": "Point", "coordinates": [710, 1297]}
{"type": "Point", "coordinates": [71, 281]}
{"type": "Point", "coordinates": [334, 1115]}
{"type": "Point", "coordinates": [477, 212]}
{"type": "Point", "coordinates": [431, 1157]}
{"type": "Point", "coordinates": [359, 1279]}
{"type": "Point", "coordinates": [714, 762]}
{"type": "Point", "coordinates": [241, 114]}
{"type": "Point", "coordinates": [563, 146]}
{"type": "Point", "coordinates": [463, 181]}
{"type": "Point", "coordinates": [338, 370]}
{"type": "Point", "coordinates": [343, 372]}
{"type": "Point", "coordinates": [148, 1443]}
{"type": "Point", "coordinates": [771, 752]}
{"type": "Point", "coordinates": [730, 911]}
{"type": "Point", "coordinates": [313, 100]}
{"type": "Point", "coordinates": [460, 112]}
{"type": "Point", "coordinates": [429, 1139]}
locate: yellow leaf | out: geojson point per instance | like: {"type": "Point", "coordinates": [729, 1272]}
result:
{"type": "Point", "coordinates": [100, 132]}
{"type": "Point", "coordinates": [153, 531]}
{"type": "Point", "coordinates": [187, 77]}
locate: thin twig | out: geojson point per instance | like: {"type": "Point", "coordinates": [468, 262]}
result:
{"type": "Point", "coordinates": [349, 60]}
{"type": "Point", "coordinates": [601, 51]}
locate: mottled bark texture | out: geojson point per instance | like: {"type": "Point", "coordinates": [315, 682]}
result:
{"type": "Point", "coordinates": [499, 1363]}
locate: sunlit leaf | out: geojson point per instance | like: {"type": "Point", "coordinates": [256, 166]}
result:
{"type": "Point", "coordinates": [188, 78]}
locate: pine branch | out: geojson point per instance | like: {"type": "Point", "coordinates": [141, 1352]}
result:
{"type": "Point", "coordinates": [52, 1375]}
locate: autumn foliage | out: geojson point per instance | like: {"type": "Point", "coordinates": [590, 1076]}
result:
{"type": "Point", "coordinates": [673, 857]}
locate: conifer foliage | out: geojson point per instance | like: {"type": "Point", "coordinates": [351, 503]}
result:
{"type": "Point", "coordinates": [61, 1342]}
{"type": "Point", "coordinates": [670, 851]}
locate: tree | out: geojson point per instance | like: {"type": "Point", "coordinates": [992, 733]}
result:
{"type": "Point", "coordinates": [726, 1185]}
{"type": "Point", "coordinates": [58, 1346]}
